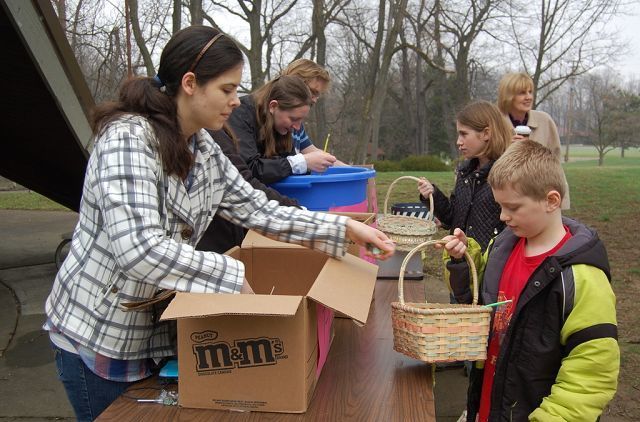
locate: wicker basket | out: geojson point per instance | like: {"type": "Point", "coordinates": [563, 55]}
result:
{"type": "Point", "coordinates": [406, 231]}
{"type": "Point", "coordinates": [435, 332]}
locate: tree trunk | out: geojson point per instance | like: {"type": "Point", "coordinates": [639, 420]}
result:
{"type": "Point", "coordinates": [255, 53]}
{"type": "Point", "coordinates": [421, 105]}
{"type": "Point", "coordinates": [409, 103]}
{"type": "Point", "coordinates": [379, 72]}
{"type": "Point", "coordinates": [140, 41]}
{"type": "Point", "coordinates": [74, 29]}
{"type": "Point", "coordinates": [195, 9]}
{"type": "Point", "coordinates": [442, 85]}
{"type": "Point", "coordinates": [318, 29]}
{"type": "Point", "coordinates": [176, 16]}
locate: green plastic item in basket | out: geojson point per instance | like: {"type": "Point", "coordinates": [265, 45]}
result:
{"type": "Point", "coordinates": [436, 332]}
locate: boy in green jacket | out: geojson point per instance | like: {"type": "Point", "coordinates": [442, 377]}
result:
{"type": "Point", "coordinates": [553, 353]}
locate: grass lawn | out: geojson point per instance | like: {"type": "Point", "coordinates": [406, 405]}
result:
{"type": "Point", "coordinates": [27, 200]}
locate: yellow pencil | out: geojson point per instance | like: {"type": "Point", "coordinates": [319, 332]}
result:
{"type": "Point", "coordinates": [326, 142]}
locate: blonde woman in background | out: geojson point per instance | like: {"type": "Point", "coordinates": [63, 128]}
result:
{"type": "Point", "coordinates": [515, 101]}
{"type": "Point", "coordinates": [318, 80]}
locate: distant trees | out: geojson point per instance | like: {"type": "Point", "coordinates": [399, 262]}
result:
{"type": "Point", "coordinates": [401, 68]}
{"type": "Point", "coordinates": [557, 40]}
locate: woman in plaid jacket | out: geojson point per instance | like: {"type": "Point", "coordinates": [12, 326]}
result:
{"type": "Point", "coordinates": [154, 181]}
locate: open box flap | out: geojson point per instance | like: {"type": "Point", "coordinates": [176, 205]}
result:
{"type": "Point", "coordinates": [347, 286]}
{"type": "Point", "coordinates": [256, 240]}
{"type": "Point", "coordinates": [193, 305]}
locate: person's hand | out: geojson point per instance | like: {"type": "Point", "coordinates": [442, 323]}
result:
{"type": "Point", "coordinates": [456, 244]}
{"type": "Point", "coordinates": [246, 288]}
{"type": "Point", "coordinates": [425, 187]}
{"type": "Point", "coordinates": [319, 161]}
{"type": "Point", "coordinates": [378, 245]}
{"type": "Point", "coordinates": [519, 138]}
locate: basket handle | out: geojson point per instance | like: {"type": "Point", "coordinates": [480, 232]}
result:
{"type": "Point", "coordinates": [415, 179]}
{"type": "Point", "coordinates": [423, 245]}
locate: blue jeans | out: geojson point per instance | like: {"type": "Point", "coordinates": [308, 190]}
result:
{"type": "Point", "coordinates": [88, 393]}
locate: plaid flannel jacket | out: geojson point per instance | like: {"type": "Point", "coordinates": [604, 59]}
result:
{"type": "Point", "coordinates": [136, 234]}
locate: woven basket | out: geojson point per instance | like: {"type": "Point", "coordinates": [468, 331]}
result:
{"type": "Point", "coordinates": [435, 332]}
{"type": "Point", "coordinates": [407, 232]}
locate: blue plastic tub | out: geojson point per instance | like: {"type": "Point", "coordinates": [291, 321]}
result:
{"type": "Point", "coordinates": [337, 187]}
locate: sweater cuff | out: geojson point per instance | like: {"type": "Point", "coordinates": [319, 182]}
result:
{"type": "Point", "coordinates": [298, 163]}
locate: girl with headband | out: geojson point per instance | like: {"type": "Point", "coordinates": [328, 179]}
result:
{"type": "Point", "coordinates": [154, 181]}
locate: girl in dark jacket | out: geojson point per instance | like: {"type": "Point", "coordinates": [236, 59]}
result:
{"type": "Point", "coordinates": [483, 136]}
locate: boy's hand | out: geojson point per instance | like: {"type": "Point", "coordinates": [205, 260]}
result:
{"type": "Point", "coordinates": [425, 187]}
{"type": "Point", "coordinates": [456, 244]}
{"type": "Point", "coordinates": [378, 245]}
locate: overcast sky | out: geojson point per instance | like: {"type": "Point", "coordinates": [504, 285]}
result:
{"type": "Point", "coordinates": [629, 25]}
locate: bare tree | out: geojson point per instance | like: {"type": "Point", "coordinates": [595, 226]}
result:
{"type": "Point", "coordinates": [389, 23]}
{"type": "Point", "coordinates": [137, 34]}
{"type": "Point", "coordinates": [558, 39]}
{"type": "Point", "coordinates": [262, 18]}
{"type": "Point", "coordinates": [624, 109]}
{"type": "Point", "coordinates": [600, 120]}
{"type": "Point", "coordinates": [324, 12]}
{"type": "Point", "coordinates": [445, 37]}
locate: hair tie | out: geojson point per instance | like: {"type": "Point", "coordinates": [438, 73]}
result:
{"type": "Point", "coordinates": [204, 50]}
{"type": "Point", "coordinates": [159, 83]}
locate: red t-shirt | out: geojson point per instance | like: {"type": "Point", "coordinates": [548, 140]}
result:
{"type": "Point", "coordinates": [514, 277]}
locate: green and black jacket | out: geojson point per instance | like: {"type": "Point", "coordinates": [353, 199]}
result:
{"type": "Point", "coordinates": [559, 359]}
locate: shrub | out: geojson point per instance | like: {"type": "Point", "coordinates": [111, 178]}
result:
{"type": "Point", "coordinates": [386, 165]}
{"type": "Point", "coordinates": [424, 163]}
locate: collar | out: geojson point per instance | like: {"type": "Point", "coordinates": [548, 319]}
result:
{"type": "Point", "coordinates": [516, 122]}
{"type": "Point", "coordinates": [471, 166]}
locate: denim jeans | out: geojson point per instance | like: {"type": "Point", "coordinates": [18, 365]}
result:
{"type": "Point", "coordinates": [88, 393]}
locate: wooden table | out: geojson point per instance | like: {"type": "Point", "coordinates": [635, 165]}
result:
{"type": "Point", "coordinates": [364, 379]}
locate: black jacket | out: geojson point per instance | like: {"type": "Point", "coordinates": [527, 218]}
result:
{"type": "Point", "coordinates": [244, 123]}
{"type": "Point", "coordinates": [551, 303]}
{"type": "Point", "coordinates": [471, 206]}
{"type": "Point", "coordinates": [221, 235]}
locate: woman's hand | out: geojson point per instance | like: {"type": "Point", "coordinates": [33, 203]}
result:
{"type": "Point", "coordinates": [456, 244]}
{"type": "Point", "coordinates": [319, 161]}
{"type": "Point", "coordinates": [425, 187]}
{"type": "Point", "coordinates": [519, 138]}
{"type": "Point", "coordinates": [378, 245]}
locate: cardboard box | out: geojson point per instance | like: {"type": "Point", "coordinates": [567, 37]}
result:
{"type": "Point", "coordinates": [264, 352]}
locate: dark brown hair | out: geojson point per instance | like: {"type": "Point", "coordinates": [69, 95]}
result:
{"type": "Point", "coordinates": [155, 98]}
{"type": "Point", "coordinates": [290, 92]}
